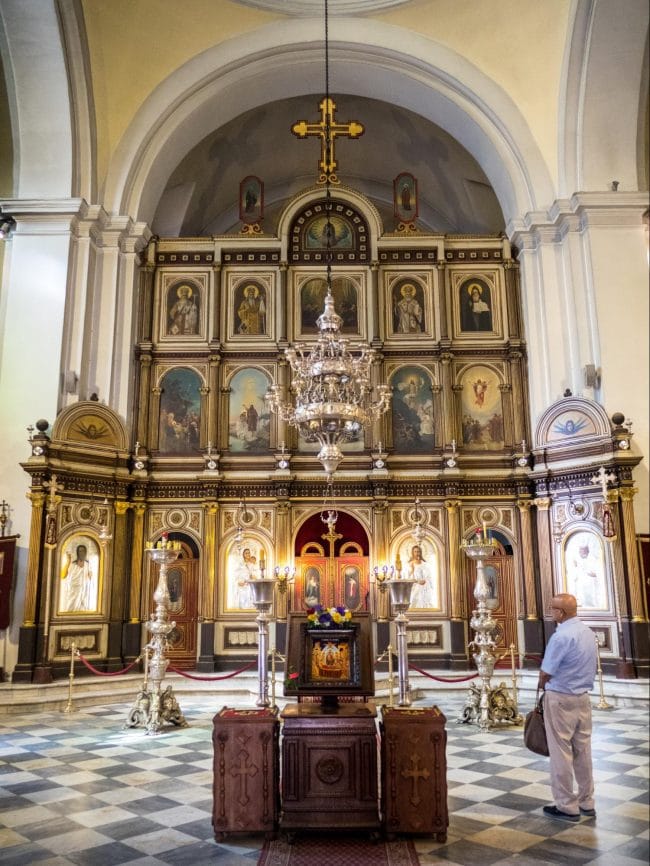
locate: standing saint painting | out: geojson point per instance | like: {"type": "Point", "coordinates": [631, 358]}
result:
{"type": "Point", "coordinates": [183, 311]}
{"type": "Point", "coordinates": [249, 423]}
{"type": "Point", "coordinates": [79, 575]}
{"type": "Point", "coordinates": [408, 309]}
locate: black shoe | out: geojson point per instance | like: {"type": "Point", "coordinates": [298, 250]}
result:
{"type": "Point", "coordinates": [554, 812]}
{"type": "Point", "coordinates": [589, 813]}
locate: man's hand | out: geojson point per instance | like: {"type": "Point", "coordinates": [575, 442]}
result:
{"type": "Point", "coordinates": [543, 679]}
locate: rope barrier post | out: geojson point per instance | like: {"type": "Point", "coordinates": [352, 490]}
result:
{"type": "Point", "coordinates": [69, 708]}
{"type": "Point", "coordinates": [602, 703]}
{"type": "Point", "coordinates": [391, 678]}
{"type": "Point", "coordinates": [513, 666]}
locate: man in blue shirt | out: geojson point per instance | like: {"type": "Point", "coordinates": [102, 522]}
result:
{"type": "Point", "coordinates": [567, 676]}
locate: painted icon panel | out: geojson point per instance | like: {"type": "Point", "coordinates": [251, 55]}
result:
{"type": "Point", "coordinates": [412, 416]}
{"type": "Point", "coordinates": [180, 412]}
{"type": "Point", "coordinates": [79, 575]}
{"type": "Point", "coordinates": [482, 412]}
{"type": "Point", "coordinates": [249, 427]}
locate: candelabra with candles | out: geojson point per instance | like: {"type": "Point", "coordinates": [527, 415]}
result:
{"type": "Point", "coordinates": [400, 596]}
{"type": "Point", "coordinates": [485, 705]}
{"type": "Point", "coordinates": [156, 707]}
{"type": "Point", "coordinates": [262, 597]}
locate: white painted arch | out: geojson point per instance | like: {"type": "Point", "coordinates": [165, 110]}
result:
{"type": "Point", "coordinates": [284, 59]}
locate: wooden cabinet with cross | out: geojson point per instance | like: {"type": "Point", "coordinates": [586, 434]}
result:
{"type": "Point", "coordinates": [414, 771]}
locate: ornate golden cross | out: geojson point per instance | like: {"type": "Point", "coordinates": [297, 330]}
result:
{"type": "Point", "coordinates": [332, 536]}
{"type": "Point", "coordinates": [327, 130]}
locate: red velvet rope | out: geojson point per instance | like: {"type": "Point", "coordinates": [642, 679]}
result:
{"type": "Point", "coordinates": [212, 679]}
{"type": "Point", "coordinates": [107, 673]}
{"type": "Point", "coordinates": [442, 679]}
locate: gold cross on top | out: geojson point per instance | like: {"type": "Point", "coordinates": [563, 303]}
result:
{"type": "Point", "coordinates": [327, 129]}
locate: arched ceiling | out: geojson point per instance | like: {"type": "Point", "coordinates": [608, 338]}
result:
{"type": "Point", "coordinates": [201, 195]}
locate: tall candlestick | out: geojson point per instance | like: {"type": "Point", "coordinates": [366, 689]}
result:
{"type": "Point", "coordinates": [484, 531]}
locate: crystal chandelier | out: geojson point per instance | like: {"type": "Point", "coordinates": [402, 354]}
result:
{"type": "Point", "coordinates": [334, 399]}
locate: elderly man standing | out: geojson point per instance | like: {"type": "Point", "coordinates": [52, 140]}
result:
{"type": "Point", "coordinates": [567, 676]}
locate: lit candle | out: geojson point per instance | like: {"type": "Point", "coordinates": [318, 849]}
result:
{"type": "Point", "coordinates": [484, 531]}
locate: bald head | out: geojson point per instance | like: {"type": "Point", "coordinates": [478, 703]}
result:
{"type": "Point", "coordinates": [566, 603]}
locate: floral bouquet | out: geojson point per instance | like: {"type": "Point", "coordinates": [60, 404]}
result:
{"type": "Point", "coordinates": [323, 617]}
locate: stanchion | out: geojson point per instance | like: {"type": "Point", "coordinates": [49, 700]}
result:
{"type": "Point", "coordinates": [391, 675]}
{"type": "Point", "coordinates": [69, 708]}
{"type": "Point", "coordinates": [513, 665]}
{"type": "Point", "coordinates": [274, 654]}
{"type": "Point", "coordinates": [602, 703]}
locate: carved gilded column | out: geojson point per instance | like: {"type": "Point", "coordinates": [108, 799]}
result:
{"type": "Point", "coordinates": [518, 399]}
{"type": "Point", "coordinates": [154, 416]}
{"type": "Point", "coordinates": [544, 544]}
{"type": "Point", "coordinates": [506, 408]}
{"type": "Point", "coordinates": [458, 601]}
{"type": "Point", "coordinates": [218, 294]}
{"type": "Point", "coordinates": [447, 402]}
{"type": "Point", "coordinates": [144, 392]}
{"type": "Point", "coordinates": [33, 557]}
{"type": "Point", "coordinates": [527, 563]}
{"type": "Point", "coordinates": [511, 277]}
{"type": "Point", "coordinates": [283, 552]}
{"type": "Point", "coordinates": [638, 610]}
{"type": "Point", "coordinates": [283, 306]}
{"type": "Point", "coordinates": [209, 565]}
{"type": "Point", "coordinates": [222, 416]}
{"type": "Point", "coordinates": [137, 548]}
{"type": "Point", "coordinates": [204, 391]}
{"type": "Point", "coordinates": [442, 295]}
{"type": "Point", "coordinates": [618, 567]}
{"type": "Point", "coordinates": [213, 374]}
{"type": "Point", "coordinates": [379, 555]}
{"type": "Point", "coordinates": [120, 555]}
{"type": "Point", "coordinates": [374, 289]}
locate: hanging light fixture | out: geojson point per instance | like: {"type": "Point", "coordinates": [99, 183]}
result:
{"type": "Point", "coordinates": [334, 399]}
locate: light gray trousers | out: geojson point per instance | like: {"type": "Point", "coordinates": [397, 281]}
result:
{"type": "Point", "coordinates": [567, 719]}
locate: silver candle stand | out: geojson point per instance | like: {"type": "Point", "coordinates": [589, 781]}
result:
{"type": "Point", "coordinates": [155, 708]}
{"type": "Point", "coordinates": [485, 706]}
{"type": "Point", "coordinates": [400, 597]}
{"type": "Point", "coordinates": [262, 595]}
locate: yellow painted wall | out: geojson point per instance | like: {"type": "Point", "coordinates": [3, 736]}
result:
{"type": "Point", "coordinates": [520, 44]}
{"type": "Point", "coordinates": [136, 44]}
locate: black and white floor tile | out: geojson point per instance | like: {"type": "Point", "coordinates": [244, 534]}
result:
{"type": "Point", "coordinates": [81, 789]}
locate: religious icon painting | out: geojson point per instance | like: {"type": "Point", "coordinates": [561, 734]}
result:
{"type": "Point", "coordinates": [412, 415]}
{"type": "Point", "coordinates": [475, 299]}
{"type": "Point", "coordinates": [408, 306]}
{"type": "Point", "coordinates": [420, 562]}
{"type": "Point", "coordinates": [571, 424]}
{"type": "Point", "coordinates": [584, 570]}
{"type": "Point", "coordinates": [183, 308]}
{"type": "Point", "coordinates": [335, 233]}
{"type": "Point", "coordinates": [348, 294]}
{"type": "Point", "coordinates": [481, 409]}
{"type": "Point", "coordinates": [251, 200]}
{"type": "Point", "coordinates": [79, 584]}
{"type": "Point", "coordinates": [242, 565]}
{"type": "Point", "coordinates": [405, 197]}
{"type": "Point", "coordinates": [180, 412]}
{"type": "Point", "coordinates": [249, 417]}
{"type": "Point", "coordinates": [248, 316]}
{"type": "Point", "coordinates": [352, 584]}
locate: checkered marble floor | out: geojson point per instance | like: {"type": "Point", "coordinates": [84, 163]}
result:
{"type": "Point", "coordinates": [80, 789]}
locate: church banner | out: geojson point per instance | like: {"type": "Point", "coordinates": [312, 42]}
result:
{"type": "Point", "coordinates": [7, 553]}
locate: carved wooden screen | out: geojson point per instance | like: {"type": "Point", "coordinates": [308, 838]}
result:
{"type": "Point", "coordinates": [330, 580]}
{"type": "Point", "coordinates": [182, 581]}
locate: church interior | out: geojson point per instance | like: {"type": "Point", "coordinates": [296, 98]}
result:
{"type": "Point", "coordinates": [319, 296]}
